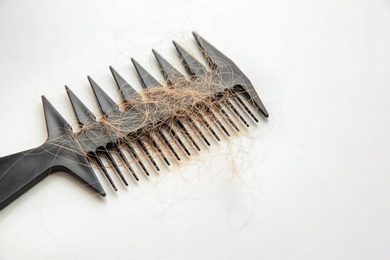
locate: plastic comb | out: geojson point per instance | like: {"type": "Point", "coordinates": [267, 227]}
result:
{"type": "Point", "coordinates": [161, 119]}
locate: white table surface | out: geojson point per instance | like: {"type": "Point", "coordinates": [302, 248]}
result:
{"type": "Point", "coordinates": [311, 182]}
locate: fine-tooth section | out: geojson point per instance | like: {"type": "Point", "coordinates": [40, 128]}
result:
{"type": "Point", "coordinates": [104, 170]}
{"type": "Point", "coordinates": [127, 163]}
{"type": "Point", "coordinates": [207, 125]}
{"type": "Point", "coordinates": [177, 138]}
{"type": "Point", "coordinates": [186, 133]}
{"type": "Point", "coordinates": [240, 103]}
{"type": "Point", "coordinates": [143, 147]}
{"type": "Point", "coordinates": [235, 111]}
{"type": "Point", "coordinates": [151, 123]}
{"type": "Point", "coordinates": [215, 119]}
{"type": "Point", "coordinates": [136, 157]}
{"type": "Point", "coordinates": [113, 163]}
{"type": "Point", "coordinates": [168, 144]}
{"type": "Point", "coordinates": [197, 130]}
{"type": "Point", "coordinates": [157, 147]}
{"type": "Point", "coordinates": [226, 116]}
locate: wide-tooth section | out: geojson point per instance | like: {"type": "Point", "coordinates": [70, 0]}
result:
{"type": "Point", "coordinates": [146, 79]}
{"type": "Point", "coordinates": [106, 104]}
{"type": "Point", "coordinates": [82, 112]}
{"type": "Point", "coordinates": [56, 125]}
{"type": "Point", "coordinates": [192, 65]}
{"type": "Point", "coordinates": [128, 93]}
{"type": "Point", "coordinates": [170, 73]}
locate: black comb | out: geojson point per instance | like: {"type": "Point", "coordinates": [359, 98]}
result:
{"type": "Point", "coordinates": [164, 116]}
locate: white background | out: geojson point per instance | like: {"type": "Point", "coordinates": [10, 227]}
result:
{"type": "Point", "coordinates": [311, 182]}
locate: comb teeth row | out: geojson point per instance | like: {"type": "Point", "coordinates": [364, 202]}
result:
{"type": "Point", "coordinates": [164, 120]}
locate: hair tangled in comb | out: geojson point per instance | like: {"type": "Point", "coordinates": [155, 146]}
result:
{"type": "Point", "coordinates": [166, 117]}
{"type": "Point", "coordinates": [177, 106]}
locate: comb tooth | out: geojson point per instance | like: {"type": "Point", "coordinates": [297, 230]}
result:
{"type": "Point", "coordinates": [142, 145]}
{"type": "Point", "coordinates": [238, 101]}
{"type": "Point", "coordinates": [127, 163]}
{"type": "Point", "coordinates": [215, 58]}
{"type": "Point", "coordinates": [168, 144]}
{"type": "Point", "coordinates": [146, 79]}
{"type": "Point", "coordinates": [204, 121]}
{"type": "Point", "coordinates": [115, 165]}
{"type": "Point", "coordinates": [210, 53]}
{"type": "Point", "coordinates": [127, 91]}
{"type": "Point", "coordinates": [106, 104]}
{"type": "Point", "coordinates": [215, 118]}
{"type": "Point", "coordinates": [192, 65]}
{"type": "Point", "coordinates": [197, 129]}
{"type": "Point", "coordinates": [226, 116]}
{"type": "Point", "coordinates": [177, 138]}
{"type": "Point", "coordinates": [184, 129]}
{"type": "Point", "coordinates": [104, 170]}
{"type": "Point", "coordinates": [158, 149]}
{"type": "Point", "coordinates": [56, 125]}
{"type": "Point", "coordinates": [136, 157]}
{"type": "Point", "coordinates": [82, 112]}
{"type": "Point", "coordinates": [170, 73]}
{"type": "Point", "coordinates": [235, 111]}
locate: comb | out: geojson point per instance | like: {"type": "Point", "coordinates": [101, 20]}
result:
{"type": "Point", "coordinates": [156, 121]}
